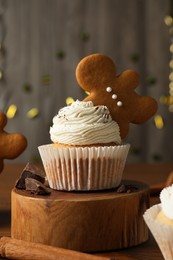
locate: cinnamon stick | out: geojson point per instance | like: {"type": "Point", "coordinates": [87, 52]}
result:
{"type": "Point", "coordinates": [22, 250]}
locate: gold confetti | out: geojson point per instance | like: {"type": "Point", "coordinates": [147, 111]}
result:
{"type": "Point", "coordinates": [27, 87]}
{"type": "Point", "coordinates": [158, 120]}
{"type": "Point", "coordinates": [171, 48]}
{"type": "Point", "coordinates": [88, 93]}
{"type": "Point", "coordinates": [60, 54]}
{"type": "Point", "coordinates": [1, 74]}
{"type": "Point", "coordinates": [69, 100]}
{"type": "Point", "coordinates": [171, 64]}
{"type": "Point", "coordinates": [168, 20]}
{"type": "Point", "coordinates": [163, 99]}
{"type": "Point", "coordinates": [11, 111]}
{"type": "Point", "coordinates": [171, 76]}
{"type": "Point", "coordinates": [170, 100]}
{"type": "Point", "coordinates": [46, 79]}
{"type": "Point", "coordinates": [171, 108]}
{"type": "Point", "coordinates": [32, 113]}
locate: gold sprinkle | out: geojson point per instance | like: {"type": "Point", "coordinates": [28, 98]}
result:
{"type": "Point", "coordinates": [163, 99]}
{"type": "Point", "coordinates": [168, 20]}
{"type": "Point", "coordinates": [170, 100]}
{"type": "Point", "coordinates": [32, 113]}
{"type": "Point", "coordinates": [88, 93]}
{"type": "Point", "coordinates": [171, 64]}
{"type": "Point", "coordinates": [171, 108]}
{"type": "Point", "coordinates": [171, 76]}
{"type": "Point", "coordinates": [69, 100]}
{"type": "Point", "coordinates": [171, 48]}
{"type": "Point", "coordinates": [11, 111]}
{"type": "Point", "coordinates": [158, 120]}
{"type": "Point", "coordinates": [46, 79]}
{"type": "Point", "coordinates": [1, 75]}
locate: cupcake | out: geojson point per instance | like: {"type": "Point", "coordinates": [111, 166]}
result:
{"type": "Point", "coordinates": [86, 151]}
{"type": "Point", "coordinates": [159, 219]}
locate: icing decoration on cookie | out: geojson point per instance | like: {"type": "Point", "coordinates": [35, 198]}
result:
{"type": "Point", "coordinates": [114, 96]}
{"type": "Point", "coordinates": [109, 89]}
{"type": "Point", "coordinates": [96, 74]}
{"type": "Point", "coordinates": [11, 145]}
{"type": "Point", "coordinates": [119, 103]}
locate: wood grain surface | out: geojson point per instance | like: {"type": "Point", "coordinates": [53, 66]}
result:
{"type": "Point", "coordinates": [148, 173]}
{"type": "Point", "coordinates": [82, 221]}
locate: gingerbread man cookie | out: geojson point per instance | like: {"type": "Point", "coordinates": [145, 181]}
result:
{"type": "Point", "coordinates": [96, 74]}
{"type": "Point", "coordinates": [11, 145]}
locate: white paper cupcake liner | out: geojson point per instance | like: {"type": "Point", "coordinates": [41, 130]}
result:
{"type": "Point", "coordinates": [84, 168]}
{"type": "Point", "coordinates": [162, 233]}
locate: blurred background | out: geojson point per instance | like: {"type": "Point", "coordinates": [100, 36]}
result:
{"type": "Point", "coordinates": [41, 43]}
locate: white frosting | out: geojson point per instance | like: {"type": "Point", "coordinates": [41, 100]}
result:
{"type": "Point", "coordinates": [166, 198]}
{"type": "Point", "coordinates": [82, 123]}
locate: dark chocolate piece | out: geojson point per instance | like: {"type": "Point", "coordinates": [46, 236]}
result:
{"type": "Point", "coordinates": [126, 188]}
{"type": "Point", "coordinates": [30, 171]}
{"type": "Point", "coordinates": [36, 187]}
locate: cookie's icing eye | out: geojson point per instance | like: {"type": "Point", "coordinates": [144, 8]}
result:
{"type": "Point", "coordinates": [108, 89]}
{"type": "Point", "coordinates": [114, 96]}
{"type": "Point", "coordinates": [119, 103]}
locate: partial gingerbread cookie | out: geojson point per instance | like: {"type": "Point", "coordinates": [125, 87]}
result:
{"type": "Point", "coordinates": [96, 74]}
{"type": "Point", "coordinates": [11, 145]}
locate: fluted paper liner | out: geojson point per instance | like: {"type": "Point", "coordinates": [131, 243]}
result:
{"type": "Point", "coordinates": [84, 168]}
{"type": "Point", "coordinates": [162, 233]}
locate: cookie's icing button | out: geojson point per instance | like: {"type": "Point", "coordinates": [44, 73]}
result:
{"type": "Point", "coordinates": [114, 96]}
{"type": "Point", "coordinates": [119, 103]}
{"type": "Point", "coordinates": [109, 89]}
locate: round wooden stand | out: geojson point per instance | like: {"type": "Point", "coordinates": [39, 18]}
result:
{"type": "Point", "coordinates": [82, 221]}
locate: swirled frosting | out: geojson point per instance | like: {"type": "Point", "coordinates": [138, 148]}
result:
{"type": "Point", "coordinates": [166, 198]}
{"type": "Point", "coordinates": [82, 123]}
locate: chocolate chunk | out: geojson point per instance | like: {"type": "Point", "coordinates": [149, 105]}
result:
{"type": "Point", "coordinates": [36, 187]}
{"type": "Point", "coordinates": [30, 171]}
{"type": "Point", "coordinates": [126, 188]}
{"type": "Point", "coordinates": [121, 188]}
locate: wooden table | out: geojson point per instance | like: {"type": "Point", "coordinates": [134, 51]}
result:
{"type": "Point", "coordinates": [148, 173]}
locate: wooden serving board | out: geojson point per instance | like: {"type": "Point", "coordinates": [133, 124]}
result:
{"type": "Point", "coordinates": [82, 221]}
